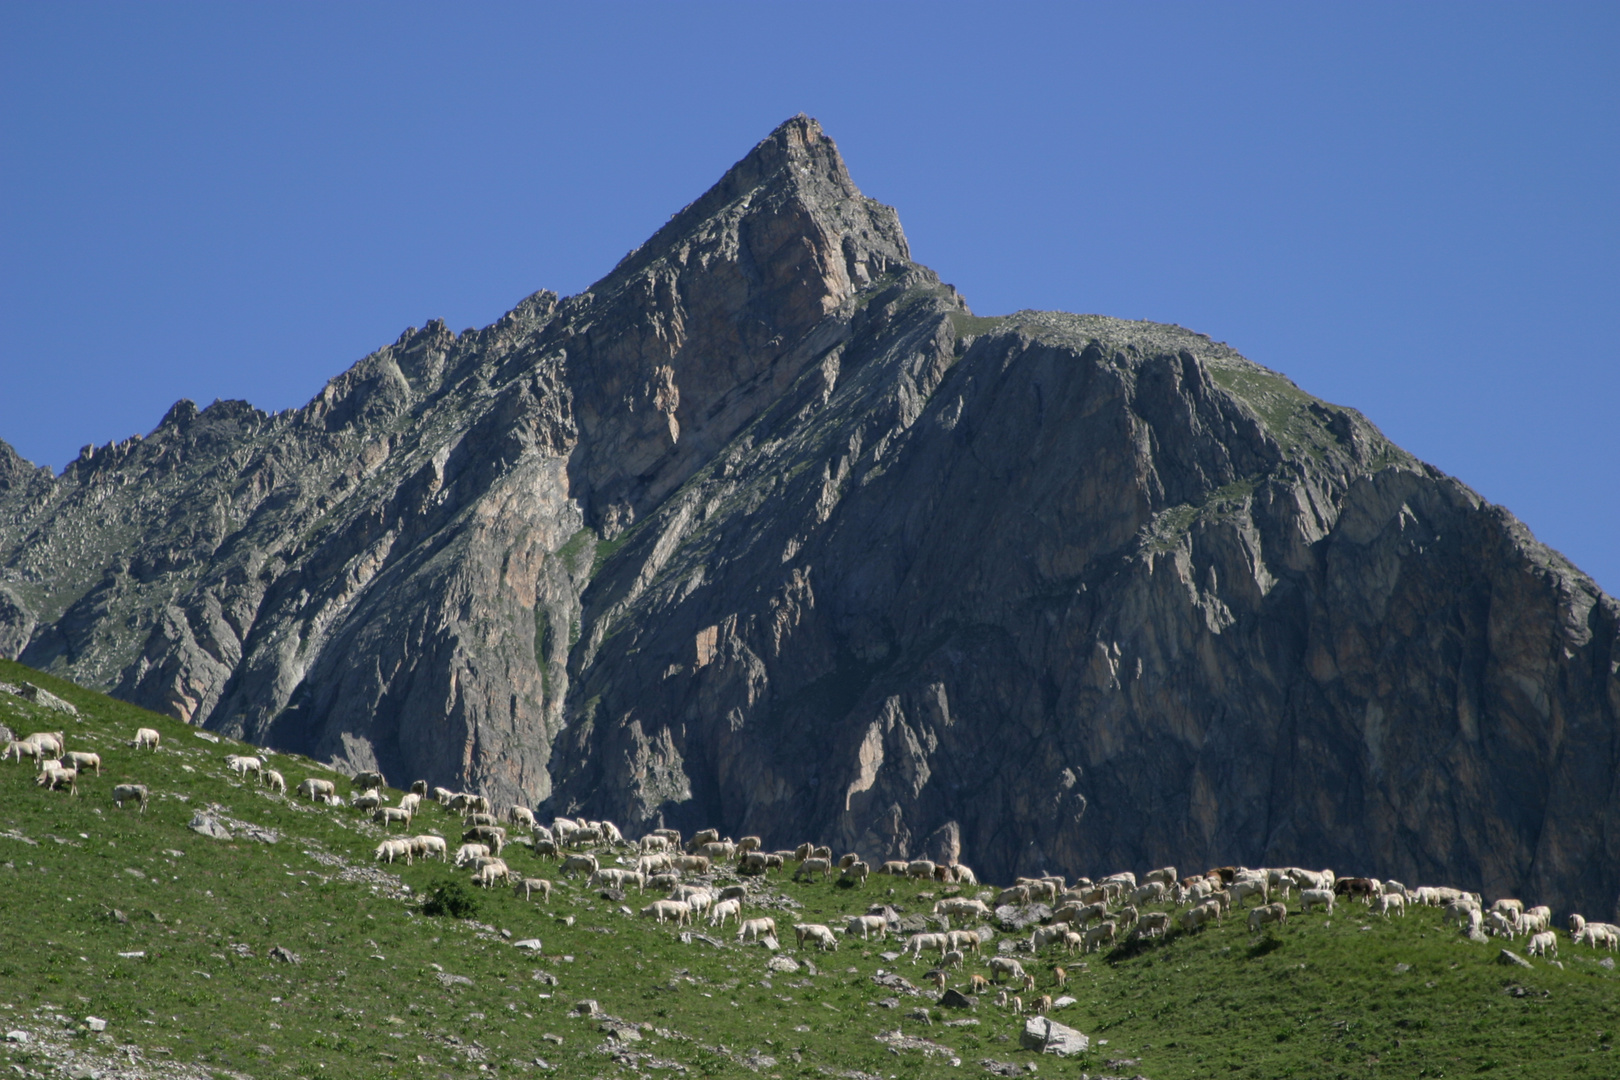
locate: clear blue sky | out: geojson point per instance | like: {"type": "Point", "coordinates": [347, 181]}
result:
{"type": "Point", "coordinates": [1413, 209]}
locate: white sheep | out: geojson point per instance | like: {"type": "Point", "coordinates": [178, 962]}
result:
{"type": "Point", "coordinates": [1309, 898]}
{"type": "Point", "coordinates": [1501, 925]}
{"type": "Point", "coordinates": [725, 909]}
{"type": "Point", "coordinates": [21, 748]}
{"type": "Point", "coordinates": [520, 815]}
{"type": "Point", "coordinates": [394, 849]}
{"type": "Point", "coordinates": [314, 787]}
{"type": "Point", "coordinates": [411, 802]}
{"type": "Point", "coordinates": [1005, 967]}
{"type": "Point", "coordinates": [1100, 935]}
{"type": "Point", "coordinates": [136, 793]}
{"type": "Point", "coordinates": [756, 929]}
{"type": "Point", "coordinates": [584, 863]}
{"type": "Point", "coordinates": [962, 940]}
{"type": "Point", "coordinates": [1267, 913]}
{"type": "Point", "coordinates": [867, 925]}
{"type": "Point", "coordinates": [813, 866]}
{"type": "Point", "coordinates": [242, 764]}
{"type": "Point", "coordinates": [57, 779]}
{"type": "Point", "coordinates": [275, 781]}
{"type": "Point", "coordinates": [50, 742]}
{"type": "Point", "coordinates": [824, 938]}
{"type": "Point", "coordinates": [1540, 943]}
{"type": "Point", "coordinates": [147, 738]}
{"type": "Point", "coordinates": [427, 845]}
{"type": "Point", "coordinates": [82, 760]}
{"type": "Point", "coordinates": [668, 909]}
{"type": "Point", "coordinates": [491, 873]}
{"type": "Point", "coordinates": [466, 853]}
{"type": "Point", "coordinates": [1391, 901]}
{"type": "Point", "coordinates": [390, 814]}
{"type": "Point", "coordinates": [531, 885]}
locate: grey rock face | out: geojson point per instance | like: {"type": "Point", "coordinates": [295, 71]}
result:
{"type": "Point", "coordinates": [767, 531]}
{"type": "Point", "coordinates": [1045, 1036]}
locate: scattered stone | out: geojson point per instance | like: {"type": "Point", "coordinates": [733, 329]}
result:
{"type": "Point", "coordinates": [891, 957]}
{"type": "Point", "coordinates": [1478, 937]}
{"type": "Point", "coordinates": [1508, 956]}
{"type": "Point", "coordinates": [966, 1021]}
{"type": "Point", "coordinates": [784, 964]}
{"type": "Point", "coordinates": [95, 1023]}
{"type": "Point", "coordinates": [17, 1036]}
{"type": "Point", "coordinates": [448, 979]}
{"type": "Point", "coordinates": [1002, 1068]}
{"type": "Point", "coordinates": [612, 896]}
{"type": "Point", "coordinates": [588, 1007]}
{"type": "Point", "coordinates": [45, 699]}
{"type": "Point", "coordinates": [1063, 1002]}
{"type": "Point", "coordinates": [206, 736]}
{"type": "Point", "coordinates": [1608, 962]}
{"type": "Point", "coordinates": [899, 1040]}
{"type": "Point", "coordinates": [206, 826]}
{"type": "Point", "coordinates": [1046, 1036]}
{"type": "Point", "coordinates": [922, 1015]}
{"type": "Point", "coordinates": [955, 999]}
{"type": "Point", "coordinates": [622, 1030]}
{"type": "Point", "coordinates": [891, 981]}
{"type": "Point", "coordinates": [887, 1003]}
{"type": "Point", "coordinates": [566, 920]}
{"type": "Point", "coordinates": [1402, 969]}
{"type": "Point", "coordinates": [139, 955]}
{"type": "Point", "coordinates": [530, 943]}
{"type": "Point", "coordinates": [285, 956]}
{"type": "Point", "coordinates": [1020, 917]}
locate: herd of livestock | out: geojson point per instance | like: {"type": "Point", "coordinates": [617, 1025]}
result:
{"type": "Point", "coordinates": [1084, 916]}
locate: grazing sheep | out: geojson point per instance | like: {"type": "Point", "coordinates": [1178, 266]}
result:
{"type": "Point", "coordinates": [689, 864]}
{"type": "Point", "coordinates": [1004, 967]}
{"type": "Point", "coordinates": [545, 849]}
{"type": "Point", "coordinates": [410, 801]}
{"type": "Point", "coordinates": [1242, 890]}
{"type": "Point", "coordinates": [1154, 924]}
{"type": "Point", "coordinates": [1042, 936]}
{"type": "Point", "coordinates": [1500, 925]}
{"type": "Point", "coordinates": [466, 853]}
{"type": "Point", "coordinates": [1152, 892]}
{"type": "Point", "coordinates": [856, 872]}
{"type": "Point", "coordinates": [390, 814]}
{"type": "Point", "coordinates": [813, 866]}
{"type": "Point", "coordinates": [394, 849]}
{"type": "Point", "coordinates": [493, 835]}
{"type": "Point", "coordinates": [366, 800]}
{"type": "Point", "coordinates": [1267, 913]}
{"type": "Point", "coordinates": [658, 863]}
{"type": "Point", "coordinates": [584, 863]}
{"type": "Point", "coordinates": [668, 909]}
{"type": "Point", "coordinates": [969, 909]}
{"type": "Point", "coordinates": [51, 742]}
{"type": "Point", "coordinates": [962, 940]}
{"type": "Point", "coordinates": [491, 873]}
{"type": "Point", "coordinates": [918, 868]}
{"type": "Point", "coordinates": [442, 796]}
{"type": "Point", "coordinates": [476, 818]}
{"type": "Point", "coordinates": [20, 748]}
{"type": "Point", "coordinates": [663, 882]}
{"type": "Point", "coordinates": [1309, 898]}
{"type": "Point", "coordinates": [82, 760]}
{"type": "Point", "coordinates": [1060, 977]}
{"type": "Point", "coordinates": [725, 909]}
{"type": "Point", "coordinates": [1165, 875]}
{"type": "Point", "coordinates": [242, 764]}
{"type": "Point", "coordinates": [867, 925]}
{"type": "Point", "coordinates": [1193, 918]}
{"type": "Point", "coordinates": [1041, 1005]}
{"type": "Point", "coordinates": [57, 779]}
{"type": "Point", "coordinates": [520, 815]}
{"type": "Point", "coordinates": [749, 843]}
{"type": "Point", "coordinates": [651, 843]}
{"type": "Point", "coordinates": [1540, 943]}
{"type": "Point", "coordinates": [1391, 902]}
{"type": "Point", "coordinates": [978, 984]}
{"type": "Point", "coordinates": [755, 929]}
{"type": "Point", "coordinates": [427, 845]}
{"type": "Point", "coordinates": [136, 793]}
{"type": "Point", "coordinates": [1577, 923]}
{"type": "Point", "coordinates": [419, 787]}
{"type": "Point", "coordinates": [314, 787]}
{"type": "Point", "coordinates": [896, 867]}
{"type": "Point", "coordinates": [147, 738]}
{"type": "Point", "coordinates": [617, 879]}
{"type": "Point", "coordinates": [1100, 935]}
{"type": "Point", "coordinates": [275, 781]}
{"type": "Point", "coordinates": [531, 885]}
{"type": "Point", "coordinates": [701, 837]}
{"type": "Point", "coordinates": [920, 941]}
{"type": "Point", "coordinates": [823, 937]}
{"type": "Point", "coordinates": [1534, 921]}
{"type": "Point", "coordinates": [365, 780]}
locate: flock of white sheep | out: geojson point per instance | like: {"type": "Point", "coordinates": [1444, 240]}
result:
{"type": "Point", "coordinates": [1085, 916]}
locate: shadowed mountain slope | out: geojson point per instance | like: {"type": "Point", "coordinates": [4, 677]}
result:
{"type": "Point", "coordinates": [767, 530]}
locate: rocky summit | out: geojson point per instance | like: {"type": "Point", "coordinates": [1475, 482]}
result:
{"type": "Point", "coordinates": [767, 530]}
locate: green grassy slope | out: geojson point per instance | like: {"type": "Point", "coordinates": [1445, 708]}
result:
{"type": "Point", "coordinates": [381, 990]}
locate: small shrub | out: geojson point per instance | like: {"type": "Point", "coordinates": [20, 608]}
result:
{"type": "Point", "coordinates": [452, 898]}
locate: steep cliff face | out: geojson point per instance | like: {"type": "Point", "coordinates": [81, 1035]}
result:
{"type": "Point", "coordinates": [767, 530]}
